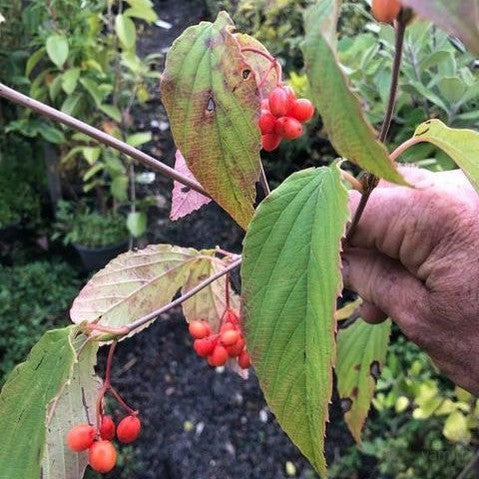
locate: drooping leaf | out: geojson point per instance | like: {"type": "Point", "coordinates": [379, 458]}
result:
{"type": "Point", "coordinates": [459, 17]}
{"type": "Point", "coordinates": [212, 102]}
{"type": "Point", "coordinates": [126, 31]}
{"type": "Point", "coordinates": [291, 279]}
{"type": "Point", "coordinates": [349, 131]}
{"type": "Point", "coordinates": [362, 349]}
{"type": "Point", "coordinates": [134, 284]}
{"type": "Point", "coordinates": [57, 49]}
{"type": "Point", "coordinates": [70, 80]}
{"type": "Point", "coordinates": [75, 404]}
{"type": "Point", "coordinates": [210, 303]}
{"type": "Point", "coordinates": [138, 139]}
{"type": "Point", "coordinates": [461, 145]}
{"type": "Point", "coordinates": [136, 223]}
{"type": "Point", "coordinates": [119, 188]}
{"type": "Point", "coordinates": [24, 401]}
{"type": "Point", "coordinates": [184, 200]}
{"type": "Point", "coordinates": [112, 111]}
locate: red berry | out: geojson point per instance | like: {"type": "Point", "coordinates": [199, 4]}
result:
{"type": "Point", "coordinates": [302, 110]}
{"type": "Point", "coordinates": [102, 456]}
{"type": "Point", "coordinates": [292, 128]}
{"type": "Point", "coordinates": [218, 357]}
{"type": "Point", "coordinates": [199, 329]}
{"type": "Point", "coordinates": [80, 437]}
{"type": "Point", "coordinates": [279, 127]}
{"type": "Point", "coordinates": [279, 101]}
{"type": "Point", "coordinates": [265, 104]}
{"type": "Point", "coordinates": [204, 347]}
{"type": "Point", "coordinates": [107, 428]}
{"type": "Point", "coordinates": [266, 122]}
{"type": "Point", "coordinates": [228, 338]}
{"type": "Point", "coordinates": [244, 360]}
{"type": "Point", "coordinates": [236, 349]}
{"type": "Point", "coordinates": [227, 326]}
{"type": "Point", "coordinates": [291, 96]}
{"type": "Point", "coordinates": [386, 10]}
{"type": "Point", "coordinates": [128, 429]}
{"type": "Point", "coordinates": [270, 142]}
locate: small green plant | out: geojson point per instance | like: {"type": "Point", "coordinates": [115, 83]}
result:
{"type": "Point", "coordinates": [88, 228]}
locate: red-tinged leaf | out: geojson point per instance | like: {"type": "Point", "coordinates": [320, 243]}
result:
{"type": "Point", "coordinates": [349, 131]}
{"type": "Point", "coordinates": [291, 278]}
{"type": "Point", "coordinates": [212, 102]}
{"type": "Point", "coordinates": [458, 17]}
{"type": "Point", "coordinates": [261, 65]}
{"type": "Point", "coordinates": [184, 200]}
{"type": "Point", "coordinates": [362, 352]}
{"type": "Point", "coordinates": [210, 303]}
{"type": "Point", "coordinates": [135, 284]}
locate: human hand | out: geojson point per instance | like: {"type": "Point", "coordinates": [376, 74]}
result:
{"type": "Point", "coordinates": [415, 258]}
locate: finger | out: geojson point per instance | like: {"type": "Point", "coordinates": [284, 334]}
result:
{"type": "Point", "coordinates": [371, 314]}
{"type": "Point", "coordinates": [388, 286]}
{"type": "Point", "coordinates": [402, 223]}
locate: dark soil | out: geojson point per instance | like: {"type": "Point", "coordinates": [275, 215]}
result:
{"type": "Point", "coordinates": [199, 423]}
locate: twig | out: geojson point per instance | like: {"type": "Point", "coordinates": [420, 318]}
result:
{"type": "Point", "coordinates": [145, 319]}
{"type": "Point", "coordinates": [264, 181]}
{"type": "Point", "coordinates": [371, 181]}
{"type": "Point", "coordinates": [98, 135]}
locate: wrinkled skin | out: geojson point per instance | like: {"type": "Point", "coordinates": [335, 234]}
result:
{"type": "Point", "coordinates": [415, 258]}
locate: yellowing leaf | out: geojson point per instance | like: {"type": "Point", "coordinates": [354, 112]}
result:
{"type": "Point", "coordinates": [461, 145]}
{"type": "Point", "coordinates": [291, 279]}
{"type": "Point", "coordinates": [350, 133]}
{"type": "Point", "coordinates": [74, 404]}
{"type": "Point", "coordinates": [210, 303]}
{"type": "Point", "coordinates": [212, 100]}
{"type": "Point", "coordinates": [135, 284]}
{"type": "Point", "coordinates": [362, 352]}
{"type": "Point", "coordinates": [456, 429]}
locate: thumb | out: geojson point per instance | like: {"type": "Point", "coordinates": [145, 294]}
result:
{"type": "Point", "coordinates": [386, 284]}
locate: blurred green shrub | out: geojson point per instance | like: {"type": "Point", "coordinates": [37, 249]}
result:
{"type": "Point", "coordinates": [33, 298]}
{"type": "Point", "coordinates": [20, 194]}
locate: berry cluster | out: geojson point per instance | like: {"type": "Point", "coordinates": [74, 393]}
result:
{"type": "Point", "coordinates": [217, 348]}
{"type": "Point", "coordinates": [101, 452]}
{"type": "Point", "coordinates": [282, 115]}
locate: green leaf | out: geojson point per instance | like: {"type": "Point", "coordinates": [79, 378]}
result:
{"type": "Point", "coordinates": [32, 62]}
{"type": "Point", "coordinates": [92, 171]}
{"type": "Point", "coordinates": [24, 400]}
{"type": "Point", "coordinates": [91, 86]}
{"type": "Point", "coordinates": [126, 31]}
{"type": "Point", "coordinates": [459, 17]}
{"type": "Point", "coordinates": [52, 134]}
{"type": "Point", "coordinates": [55, 87]}
{"type": "Point", "coordinates": [72, 103]}
{"type": "Point", "coordinates": [70, 80]}
{"type": "Point", "coordinates": [291, 279]}
{"type": "Point", "coordinates": [119, 190]}
{"type": "Point", "coordinates": [136, 223]}
{"type": "Point", "coordinates": [461, 145]}
{"type": "Point", "coordinates": [212, 102]}
{"type": "Point", "coordinates": [362, 352]}
{"type": "Point", "coordinates": [139, 139]}
{"type": "Point", "coordinates": [210, 303]}
{"type": "Point", "coordinates": [75, 404]}
{"type": "Point", "coordinates": [57, 49]}
{"type": "Point", "coordinates": [91, 154]}
{"type": "Point", "coordinates": [134, 284]}
{"type": "Point", "coordinates": [143, 13]}
{"type": "Point", "coordinates": [112, 111]}
{"type": "Point", "coordinates": [350, 133]}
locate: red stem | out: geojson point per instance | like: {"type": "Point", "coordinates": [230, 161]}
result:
{"type": "Point", "coordinates": [274, 64]}
{"type": "Point", "coordinates": [122, 402]}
